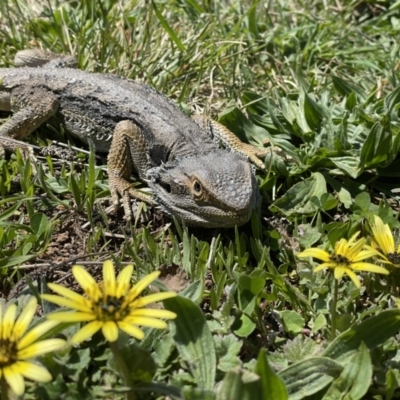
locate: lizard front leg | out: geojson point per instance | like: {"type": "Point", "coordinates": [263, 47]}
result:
{"type": "Point", "coordinates": [230, 140]}
{"type": "Point", "coordinates": [31, 107]}
{"type": "Point", "coordinates": [128, 149]}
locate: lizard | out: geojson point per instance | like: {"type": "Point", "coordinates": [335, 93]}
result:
{"type": "Point", "coordinates": [180, 158]}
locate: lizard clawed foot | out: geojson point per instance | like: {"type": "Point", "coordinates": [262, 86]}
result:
{"type": "Point", "coordinates": [122, 192]}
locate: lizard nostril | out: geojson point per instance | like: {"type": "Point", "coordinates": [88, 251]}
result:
{"type": "Point", "coordinates": [166, 186]}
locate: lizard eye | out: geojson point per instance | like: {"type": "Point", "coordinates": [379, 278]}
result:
{"type": "Point", "coordinates": [197, 188]}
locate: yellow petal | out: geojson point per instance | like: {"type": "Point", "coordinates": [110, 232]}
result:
{"type": "Point", "coordinates": [153, 313]}
{"type": "Point", "coordinates": [325, 265]}
{"type": "Point", "coordinates": [370, 268]}
{"type": "Point", "coordinates": [355, 249]}
{"type": "Point", "coordinates": [152, 298]}
{"type": "Point", "coordinates": [131, 330]}
{"type": "Point", "coordinates": [33, 371]}
{"type": "Point", "coordinates": [35, 333]}
{"type": "Point", "coordinates": [24, 319]}
{"type": "Point", "coordinates": [86, 331]}
{"type": "Point", "coordinates": [87, 282]}
{"type": "Point", "coordinates": [367, 253]}
{"type": "Point", "coordinates": [41, 347]}
{"type": "Point", "coordinates": [141, 285]}
{"type": "Point", "coordinates": [149, 322]}
{"type": "Point", "coordinates": [383, 236]}
{"type": "Point", "coordinates": [124, 281]}
{"type": "Point", "coordinates": [14, 379]}
{"type": "Point", "coordinates": [338, 272]}
{"type": "Point", "coordinates": [353, 238]}
{"type": "Point", "coordinates": [8, 321]}
{"type": "Point", "coordinates": [67, 293]}
{"type": "Point", "coordinates": [110, 331]}
{"type": "Point", "coordinates": [109, 278]}
{"type": "Point", "coordinates": [316, 253]}
{"type": "Point", "coordinates": [341, 247]}
{"type": "Point", "coordinates": [71, 316]}
{"type": "Point", "coordinates": [82, 305]}
{"type": "Point", "coordinates": [354, 278]}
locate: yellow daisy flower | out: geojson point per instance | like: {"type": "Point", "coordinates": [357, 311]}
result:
{"type": "Point", "coordinates": [383, 238]}
{"type": "Point", "coordinates": [18, 346]}
{"type": "Point", "coordinates": [346, 258]}
{"type": "Point", "coordinates": [110, 306]}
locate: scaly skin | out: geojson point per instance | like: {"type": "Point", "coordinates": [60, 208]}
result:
{"type": "Point", "coordinates": [189, 175]}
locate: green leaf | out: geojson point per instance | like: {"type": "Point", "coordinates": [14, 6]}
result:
{"type": "Point", "coordinates": [193, 340]}
{"type": "Point", "coordinates": [272, 387]}
{"type": "Point", "coordinates": [313, 112]}
{"type": "Point", "coordinates": [355, 379]}
{"type": "Point", "coordinates": [376, 148]}
{"type": "Point", "coordinates": [292, 320]}
{"type": "Point", "coordinates": [300, 348]}
{"type": "Point", "coordinates": [370, 332]}
{"type": "Point", "coordinates": [297, 200]}
{"type": "Point", "coordinates": [247, 326]}
{"type": "Point", "coordinates": [392, 99]}
{"type": "Point", "coordinates": [227, 348]}
{"type": "Point", "coordinates": [13, 261]}
{"type": "Point", "coordinates": [39, 223]}
{"type": "Point", "coordinates": [347, 88]}
{"type": "Point", "coordinates": [309, 376]}
{"type": "Point", "coordinates": [167, 28]}
{"type": "Point", "coordinates": [239, 384]}
{"type": "Point", "coordinates": [139, 362]}
{"type": "Point", "coordinates": [348, 165]}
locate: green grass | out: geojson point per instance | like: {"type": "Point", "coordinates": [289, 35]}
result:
{"type": "Point", "coordinates": [320, 80]}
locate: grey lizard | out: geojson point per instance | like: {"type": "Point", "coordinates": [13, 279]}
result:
{"type": "Point", "coordinates": [180, 158]}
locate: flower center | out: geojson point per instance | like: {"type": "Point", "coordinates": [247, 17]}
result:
{"type": "Point", "coordinates": [339, 259]}
{"type": "Point", "coordinates": [109, 308]}
{"type": "Point", "coordinates": [394, 258]}
{"type": "Point", "coordinates": [8, 352]}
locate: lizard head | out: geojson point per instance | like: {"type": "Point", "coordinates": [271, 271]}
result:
{"type": "Point", "coordinates": [209, 190]}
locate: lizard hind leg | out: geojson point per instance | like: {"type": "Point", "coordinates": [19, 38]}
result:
{"type": "Point", "coordinates": [127, 150]}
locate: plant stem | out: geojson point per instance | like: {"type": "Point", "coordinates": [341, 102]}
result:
{"type": "Point", "coordinates": [333, 308]}
{"type": "Point", "coordinates": [123, 369]}
{"type": "Point", "coordinates": [4, 388]}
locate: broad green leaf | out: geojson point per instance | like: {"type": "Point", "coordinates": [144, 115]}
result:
{"type": "Point", "coordinates": [272, 387]}
{"type": "Point", "coordinates": [314, 112]}
{"type": "Point", "coordinates": [392, 99]}
{"type": "Point", "coordinates": [227, 348]}
{"type": "Point", "coordinates": [39, 223]}
{"type": "Point", "coordinates": [351, 101]}
{"type": "Point", "coordinates": [139, 362]}
{"type": "Point", "coordinates": [239, 384]}
{"type": "Point", "coordinates": [355, 379]}
{"type": "Point", "coordinates": [374, 331]}
{"type": "Point", "coordinates": [309, 376]}
{"type": "Point", "coordinates": [376, 148]}
{"type": "Point", "coordinates": [191, 393]}
{"type": "Point", "coordinates": [300, 348]}
{"type": "Point", "coordinates": [346, 88]}
{"type": "Point", "coordinates": [297, 200]}
{"type": "Point", "coordinates": [193, 340]}
{"type": "Point", "coordinates": [292, 320]}
{"type": "Point", "coordinates": [194, 291]}
{"type": "Point", "coordinates": [348, 165]}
